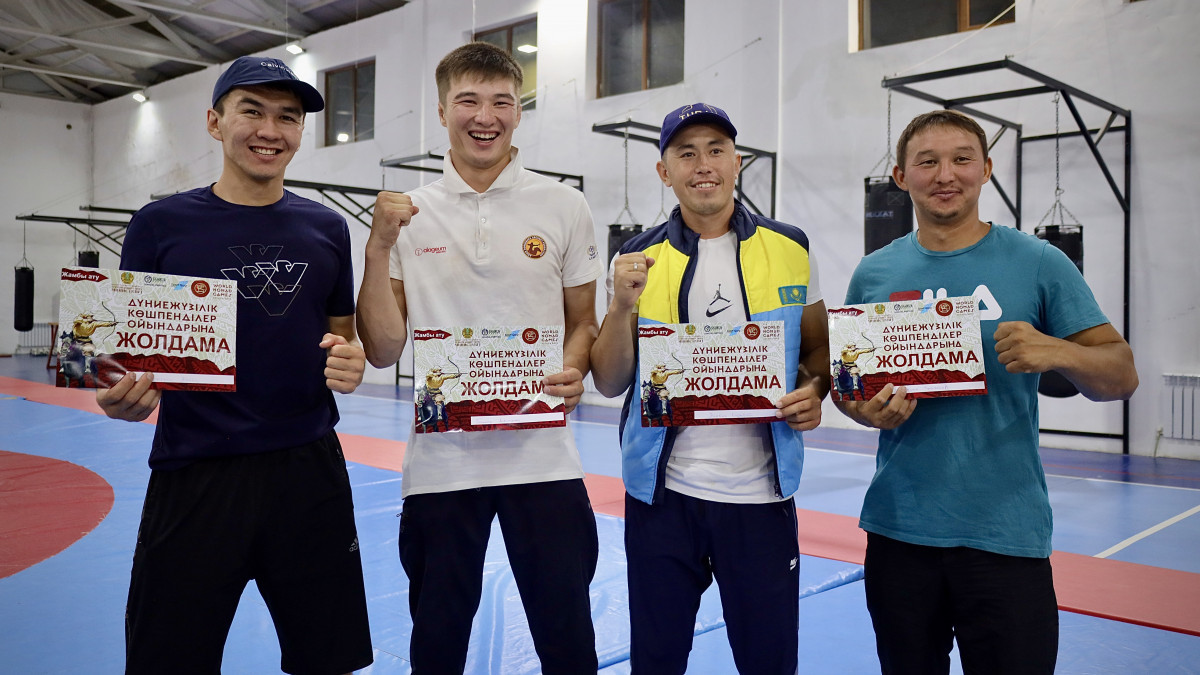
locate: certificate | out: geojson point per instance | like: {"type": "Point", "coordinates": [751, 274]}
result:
{"type": "Point", "coordinates": [695, 374]}
{"type": "Point", "coordinates": [933, 348]}
{"type": "Point", "coordinates": [482, 378]}
{"type": "Point", "coordinates": [181, 329]}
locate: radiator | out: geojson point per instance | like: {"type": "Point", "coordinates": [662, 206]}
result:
{"type": "Point", "coordinates": [1181, 408]}
{"type": "Point", "coordinates": [35, 341]}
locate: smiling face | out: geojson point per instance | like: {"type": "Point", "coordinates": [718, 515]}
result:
{"type": "Point", "coordinates": [944, 171]}
{"type": "Point", "coordinates": [259, 129]}
{"type": "Point", "coordinates": [480, 115]}
{"type": "Point", "coordinates": [701, 165]}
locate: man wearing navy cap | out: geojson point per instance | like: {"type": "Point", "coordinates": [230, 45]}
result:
{"type": "Point", "coordinates": [251, 484]}
{"type": "Point", "coordinates": [705, 502]}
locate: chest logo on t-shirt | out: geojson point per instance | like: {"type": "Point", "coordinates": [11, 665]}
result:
{"type": "Point", "coordinates": [989, 306]}
{"type": "Point", "coordinates": [534, 246]}
{"type": "Point", "coordinates": [718, 304]}
{"type": "Point", "coordinates": [264, 277]}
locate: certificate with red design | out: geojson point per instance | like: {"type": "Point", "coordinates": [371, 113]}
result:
{"type": "Point", "coordinates": [182, 329]}
{"type": "Point", "coordinates": [482, 378]}
{"type": "Point", "coordinates": [715, 373]}
{"type": "Point", "coordinates": [933, 348]}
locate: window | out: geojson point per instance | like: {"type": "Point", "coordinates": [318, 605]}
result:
{"type": "Point", "coordinates": [641, 45]}
{"type": "Point", "coordinates": [520, 40]}
{"type": "Point", "coordinates": [887, 22]}
{"type": "Point", "coordinates": [350, 103]}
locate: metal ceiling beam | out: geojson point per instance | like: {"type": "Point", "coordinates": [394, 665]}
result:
{"type": "Point", "coordinates": [65, 87]}
{"type": "Point", "coordinates": [14, 57]}
{"type": "Point", "coordinates": [92, 95]}
{"type": "Point", "coordinates": [22, 30]}
{"type": "Point", "coordinates": [283, 13]}
{"type": "Point", "coordinates": [120, 69]}
{"type": "Point", "coordinates": [215, 18]}
{"type": "Point", "coordinates": [116, 22]}
{"type": "Point", "coordinates": [171, 35]}
{"type": "Point", "coordinates": [206, 46]}
{"type": "Point", "coordinates": [75, 76]}
{"type": "Point", "coordinates": [54, 84]}
{"type": "Point", "coordinates": [36, 12]}
{"type": "Point", "coordinates": [25, 92]}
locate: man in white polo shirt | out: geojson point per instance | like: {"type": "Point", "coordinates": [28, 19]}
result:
{"type": "Point", "coordinates": [489, 243]}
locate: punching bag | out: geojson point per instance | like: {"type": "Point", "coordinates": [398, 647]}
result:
{"type": "Point", "coordinates": [1066, 238]}
{"type": "Point", "coordinates": [23, 299]}
{"type": "Point", "coordinates": [888, 213]}
{"type": "Point", "coordinates": [89, 258]}
{"type": "Point", "coordinates": [1069, 240]}
{"type": "Point", "coordinates": [618, 234]}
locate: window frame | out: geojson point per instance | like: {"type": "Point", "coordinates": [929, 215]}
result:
{"type": "Point", "coordinates": [329, 113]}
{"type": "Point", "coordinates": [963, 20]}
{"type": "Point", "coordinates": [646, 40]}
{"type": "Point", "coordinates": [508, 29]}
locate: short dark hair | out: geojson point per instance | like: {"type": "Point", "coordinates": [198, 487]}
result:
{"type": "Point", "coordinates": [481, 59]}
{"type": "Point", "coordinates": [219, 106]}
{"type": "Point", "coordinates": [938, 118]}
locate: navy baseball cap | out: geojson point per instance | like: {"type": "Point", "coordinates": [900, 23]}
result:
{"type": "Point", "coordinates": [248, 71]}
{"type": "Point", "coordinates": [695, 113]}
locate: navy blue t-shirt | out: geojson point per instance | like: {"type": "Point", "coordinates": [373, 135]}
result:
{"type": "Point", "coordinates": [292, 264]}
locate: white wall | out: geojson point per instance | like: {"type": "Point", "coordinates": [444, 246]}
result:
{"type": "Point", "coordinates": [46, 169]}
{"type": "Point", "coordinates": [783, 71]}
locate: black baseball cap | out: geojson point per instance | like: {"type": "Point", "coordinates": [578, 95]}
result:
{"type": "Point", "coordinates": [696, 113]}
{"type": "Point", "coordinates": [248, 71]}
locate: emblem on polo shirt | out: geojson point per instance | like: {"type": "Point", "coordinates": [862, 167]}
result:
{"type": "Point", "coordinates": [534, 246]}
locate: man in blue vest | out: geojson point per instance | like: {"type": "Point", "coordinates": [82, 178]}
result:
{"type": "Point", "coordinates": [715, 501]}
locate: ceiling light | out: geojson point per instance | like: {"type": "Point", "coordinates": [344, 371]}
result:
{"type": "Point", "coordinates": [343, 137]}
{"type": "Point", "coordinates": [295, 48]}
{"type": "Point", "coordinates": [527, 49]}
{"type": "Point", "coordinates": [140, 96]}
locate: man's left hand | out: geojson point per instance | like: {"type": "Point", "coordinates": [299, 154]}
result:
{"type": "Point", "coordinates": [1021, 348]}
{"type": "Point", "coordinates": [344, 364]}
{"type": "Point", "coordinates": [801, 408]}
{"type": "Point", "coordinates": [568, 384]}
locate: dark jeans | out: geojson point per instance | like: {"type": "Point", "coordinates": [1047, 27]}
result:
{"type": "Point", "coordinates": [1000, 608]}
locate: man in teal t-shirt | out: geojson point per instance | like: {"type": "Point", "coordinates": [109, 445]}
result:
{"type": "Point", "coordinates": [957, 515]}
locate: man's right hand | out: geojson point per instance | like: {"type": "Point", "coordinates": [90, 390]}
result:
{"type": "Point", "coordinates": [129, 399]}
{"type": "Point", "coordinates": [886, 410]}
{"type": "Point", "coordinates": [629, 280]}
{"type": "Point", "coordinates": [393, 210]}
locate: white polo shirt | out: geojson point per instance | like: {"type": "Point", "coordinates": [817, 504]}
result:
{"type": "Point", "coordinates": [498, 257]}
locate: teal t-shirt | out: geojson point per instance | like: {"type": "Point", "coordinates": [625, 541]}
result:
{"type": "Point", "coordinates": [965, 471]}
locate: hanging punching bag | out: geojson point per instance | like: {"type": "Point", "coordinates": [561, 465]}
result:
{"type": "Point", "coordinates": [1069, 240]}
{"type": "Point", "coordinates": [1066, 238]}
{"type": "Point", "coordinates": [89, 258]}
{"type": "Point", "coordinates": [888, 213]}
{"type": "Point", "coordinates": [23, 299]}
{"type": "Point", "coordinates": [618, 234]}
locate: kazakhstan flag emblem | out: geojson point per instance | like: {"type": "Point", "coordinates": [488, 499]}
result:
{"type": "Point", "coordinates": [793, 295]}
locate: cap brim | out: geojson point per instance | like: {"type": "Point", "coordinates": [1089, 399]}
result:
{"type": "Point", "coordinates": [700, 118]}
{"type": "Point", "coordinates": [310, 99]}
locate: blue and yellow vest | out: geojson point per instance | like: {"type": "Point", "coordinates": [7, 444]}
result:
{"type": "Point", "coordinates": [773, 267]}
